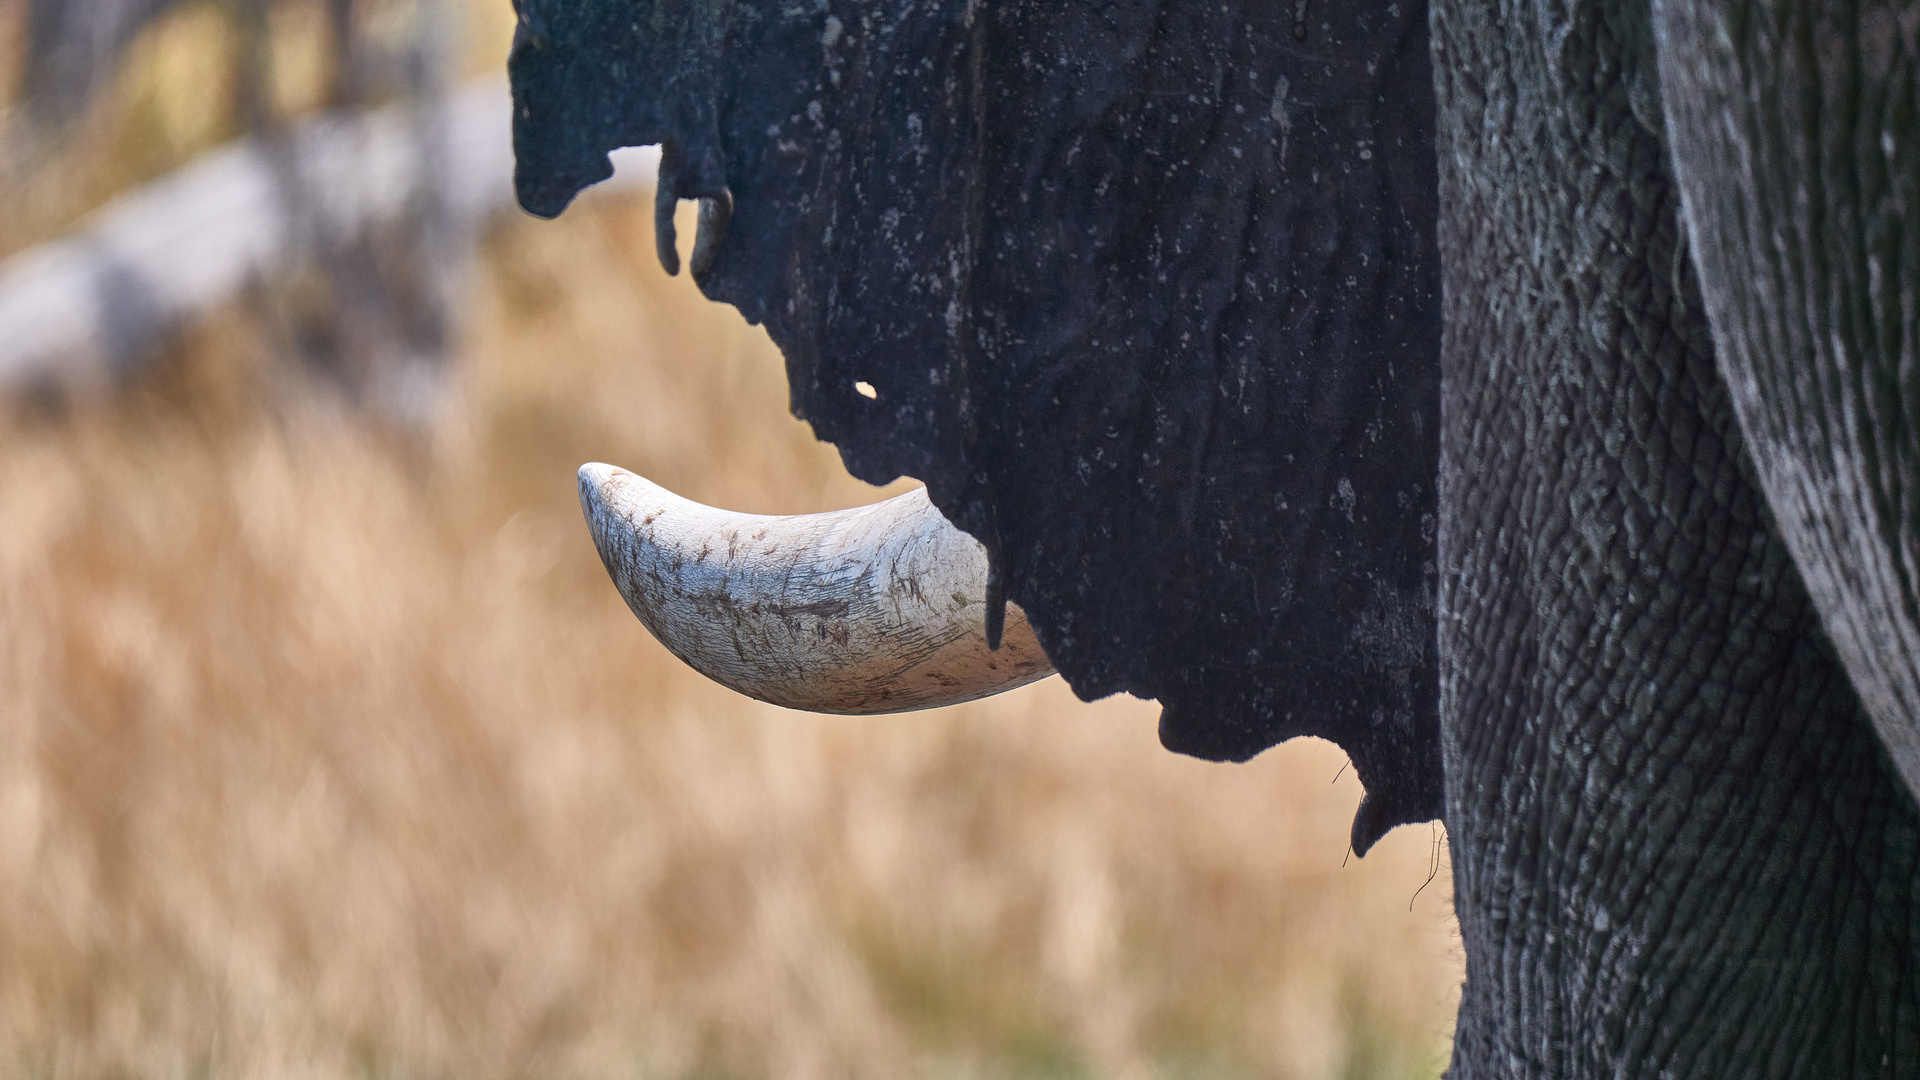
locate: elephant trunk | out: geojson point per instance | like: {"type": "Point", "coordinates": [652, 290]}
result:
{"type": "Point", "coordinates": [877, 609]}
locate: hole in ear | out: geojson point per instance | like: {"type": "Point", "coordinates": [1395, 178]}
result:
{"type": "Point", "coordinates": [865, 389]}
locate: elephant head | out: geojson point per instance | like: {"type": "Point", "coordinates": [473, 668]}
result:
{"type": "Point", "coordinates": [1154, 319]}
{"type": "Point", "coordinates": [1481, 388]}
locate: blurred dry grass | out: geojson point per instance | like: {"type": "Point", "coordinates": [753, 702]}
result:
{"type": "Point", "coordinates": [327, 752]}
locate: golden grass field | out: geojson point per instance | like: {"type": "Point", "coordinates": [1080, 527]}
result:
{"type": "Point", "coordinates": [330, 752]}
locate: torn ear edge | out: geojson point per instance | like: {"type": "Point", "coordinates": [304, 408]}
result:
{"type": "Point", "coordinates": [1397, 791]}
{"type": "Point", "coordinates": [1371, 821]}
{"type": "Point", "coordinates": [673, 181]}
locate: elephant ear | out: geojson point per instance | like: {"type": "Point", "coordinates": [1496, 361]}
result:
{"type": "Point", "coordinates": [1147, 295]}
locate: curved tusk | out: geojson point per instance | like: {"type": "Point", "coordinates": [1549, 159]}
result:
{"type": "Point", "coordinates": [877, 609]}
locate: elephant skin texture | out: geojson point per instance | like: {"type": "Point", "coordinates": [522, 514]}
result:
{"type": "Point", "coordinates": [1678, 848]}
{"type": "Point", "coordinates": [1521, 395]}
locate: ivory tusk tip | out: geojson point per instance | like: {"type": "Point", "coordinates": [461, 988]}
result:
{"type": "Point", "coordinates": [610, 497]}
{"type": "Point", "coordinates": [594, 478]}
{"type": "Point", "coordinates": [594, 472]}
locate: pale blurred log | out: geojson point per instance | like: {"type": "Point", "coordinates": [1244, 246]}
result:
{"type": "Point", "coordinates": [83, 310]}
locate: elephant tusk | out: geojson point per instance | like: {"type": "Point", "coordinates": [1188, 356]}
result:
{"type": "Point", "coordinates": [877, 609]}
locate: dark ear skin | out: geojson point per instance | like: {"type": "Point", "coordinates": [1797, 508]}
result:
{"type": "Point", "coordinates": [590, 78]}
{"type": "Point", "coordinates": [1813, 299]}
{"type": "Point", "coordinates": [1148, 295]}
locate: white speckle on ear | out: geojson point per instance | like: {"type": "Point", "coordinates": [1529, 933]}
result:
{"type": "Point", "coordinates": [1279, 110]}
{"type": "Point", "coordinates": [1281, 119]}
{"type": "Point", "coordinates": [832, 33]}
{"type": "Point", "coordinates": [865, 389]}
{"type": "Point", "coordinates": [1344, 497]}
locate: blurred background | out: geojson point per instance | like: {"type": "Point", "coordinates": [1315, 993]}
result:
{"type": "Point", "coordinates": [327, 749]}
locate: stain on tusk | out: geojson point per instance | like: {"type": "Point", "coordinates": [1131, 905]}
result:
{"type": "Point", "coordinates": [877, 609]}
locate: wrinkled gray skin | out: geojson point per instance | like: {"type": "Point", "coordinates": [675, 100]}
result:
{"type": "Point", "coordinates": [1680, 272]}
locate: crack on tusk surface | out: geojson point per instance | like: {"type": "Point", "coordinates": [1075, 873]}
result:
{"type": "Point", "coordinates": [881, 608]}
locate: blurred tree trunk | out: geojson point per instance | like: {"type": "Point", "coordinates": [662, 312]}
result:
{"type": "Point", "coordinates": [369, 308]}
{"type": "Point", "coordinates": [73, 47]}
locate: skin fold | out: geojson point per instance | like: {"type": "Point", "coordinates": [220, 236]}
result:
{"type": "Point", "coordinates": [1549, 442]}
{"type": "Point", "coordinates": [1798, 153]}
